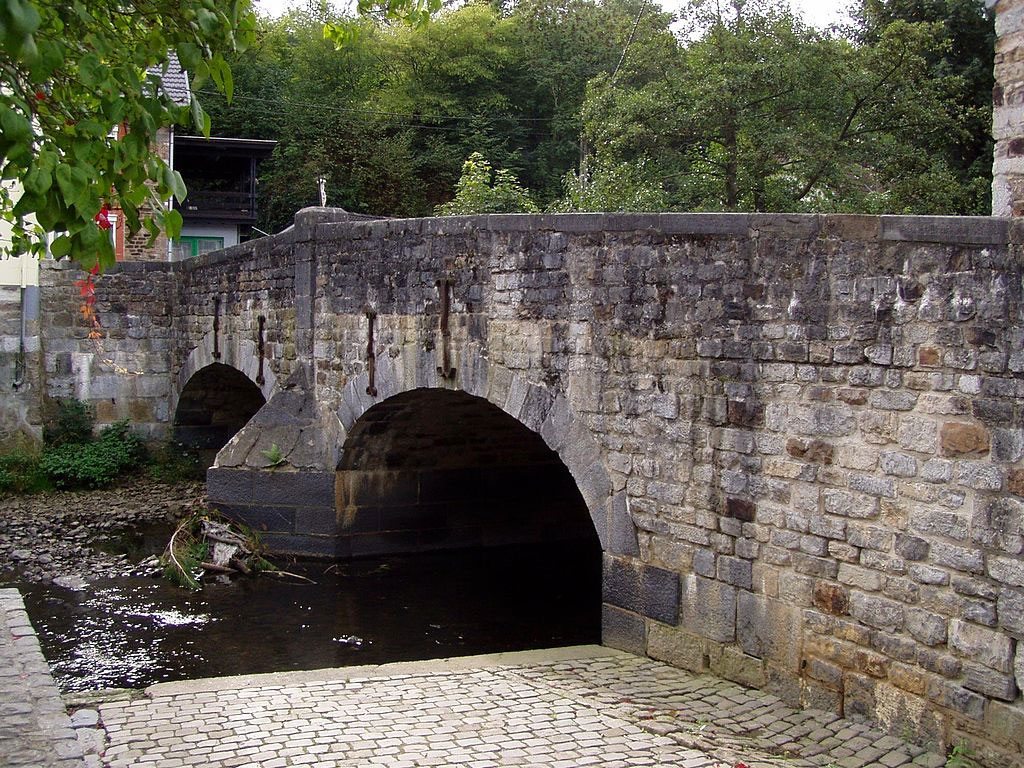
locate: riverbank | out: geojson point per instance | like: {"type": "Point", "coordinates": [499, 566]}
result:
{"type": "Point", "coordinates": [84, 535]}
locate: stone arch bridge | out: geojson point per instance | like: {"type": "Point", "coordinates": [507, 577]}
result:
{"type": "Point", "coordinates": [799, 438]}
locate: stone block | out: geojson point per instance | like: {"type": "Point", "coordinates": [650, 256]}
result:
{"type": "Point", "coordinates": [831, 598]}
{"type": "Point", "coordinates": [740, 509]}
{"type": "Point", "coordinates": [316, 520]}
{"type": "Point", "coordinates": [911, 547]}
{"type": "Point", "coordinates": [709, 608]}
{"type": "Point", "coordinates": [659, 592]}
{"type": "Point", "coordinates": [925, 626]}
{"type": "Point", "coordinates": [732, 664]}
{"type": "Point", "coordinates": [768, 629]}
{"type": "Point", "coordinates": [1004, 724]}
{"type": "Point", "coordinates": [621, 583]}
{"type": "Point", "coordinates": [988, 682]}
{"type": "Point", "coordinates": [234, 486]}
{"type": "Point", "coordinates": [623, 630]}
{"type": "Point", "coordinates": [859, 696]}
{"type": "Point", "coordinates": [735, 571]}
{"type": "Point", "coordinates": [277, 519]}
{"type": "Point", "coordinates": [1007, 570]}
{"type": "Point", "coordinates": [677, 647]}
{"type": "Point", "coordinates": [960, 439]}
{"type": "Point", "coordinates": [315, 489]}
{"type": "Point", "coordinates": [621, 531]}
{"type": "Point", "coordinates": [877, 612]}
{"type": "Point", "coordinates": [986, 646]}
{"type": "Point", "coordinates": [945, 229]}
{"type": "Point", "coordinates": [960, 558]}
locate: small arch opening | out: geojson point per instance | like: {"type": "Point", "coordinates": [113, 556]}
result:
{"type": "Point", "coordinates": [213, 406]}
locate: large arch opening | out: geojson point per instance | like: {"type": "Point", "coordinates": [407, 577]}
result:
{"type": "Point", "coordinates": [214, 404]}
{"type": "Point", "coordinates": [495, 516]}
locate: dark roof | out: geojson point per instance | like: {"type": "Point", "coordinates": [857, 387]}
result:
{"type": "Point", "coordinates": [225, 145]}
{"type": "Point", "coordinates": [173, 80]}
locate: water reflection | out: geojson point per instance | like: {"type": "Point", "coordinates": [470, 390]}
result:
{"type": "Point", "coordinates": [135, 632]}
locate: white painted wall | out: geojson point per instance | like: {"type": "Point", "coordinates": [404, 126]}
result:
{"type": "Point", "coordinates": [23, 270]}
{"type": "Point", "coordinates": [228, 231]}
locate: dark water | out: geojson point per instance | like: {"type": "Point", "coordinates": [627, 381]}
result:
{"type": "Point", "coordinates": [134, 632]}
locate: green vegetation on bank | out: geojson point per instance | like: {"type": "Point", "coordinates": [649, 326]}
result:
{"type": "Point", "coordinates": [71, 457]}
{"type": "Point", "coordinates": [616, 105]}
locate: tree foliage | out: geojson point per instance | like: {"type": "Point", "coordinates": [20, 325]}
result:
{"type": "Point", "coordinates": [72, 72]}
{"type": "Point", "coordinates": [481, 189]}
{"type": "Point", "coordinates": [761, 112]}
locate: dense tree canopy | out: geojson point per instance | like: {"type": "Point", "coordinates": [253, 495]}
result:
{"type": "Point", "coordinates": [71, 72]}
{"type": "Point", "coordinates": [588, 104]}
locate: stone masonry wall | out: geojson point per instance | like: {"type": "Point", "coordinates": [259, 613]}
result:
{"type": "Point", "coordinates": [1008, 109]}
{"type": "Point", "coordinates": [815, 424]}
{"type": "Point", "coordinates": [124, 371]}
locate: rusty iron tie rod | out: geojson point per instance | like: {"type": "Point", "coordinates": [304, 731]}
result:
{"type": "Point", "coordinates": [444, 287]}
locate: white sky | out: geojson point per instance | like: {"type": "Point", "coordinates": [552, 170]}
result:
{"type": "Point", "coordinates": [820, 13]}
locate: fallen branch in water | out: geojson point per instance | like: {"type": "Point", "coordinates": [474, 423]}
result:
{"type": "Point", "coordinates": [204, 543]}
{"type": "Point", "coordinates": [217, 568]}
{"type": "Point", "coordinates": [186, 576]}
{"type": "Point", "coordinates": [276, 572]}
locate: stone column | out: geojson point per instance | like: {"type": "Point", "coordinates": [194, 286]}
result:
{"type": "Point", "coordinates": [1008, 109]}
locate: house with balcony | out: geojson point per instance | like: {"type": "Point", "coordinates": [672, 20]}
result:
{"type": "Point", "coordinates": [220, 176]}
{"type": "Point", "coordinates": [221, 206]}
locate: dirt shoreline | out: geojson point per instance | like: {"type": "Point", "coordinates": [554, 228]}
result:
{"type": "Point", "coordinates": [49, 536]}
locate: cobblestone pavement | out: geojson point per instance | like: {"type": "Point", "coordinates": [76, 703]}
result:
{"type": "Point", "coordinates": [565, 708]}
{"type": "Point", "coordinates": [34, 728]}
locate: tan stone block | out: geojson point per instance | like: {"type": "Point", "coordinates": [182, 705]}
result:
{"type": "Point", "coordinates": [964, 439]}
{"type": "Point", "coordinates": [911, 679]}
{"type": "Point", "coordinates": [676, 647]}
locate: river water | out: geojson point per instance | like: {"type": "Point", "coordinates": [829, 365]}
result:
{"type": "Point", "coordinates": [133, 632]}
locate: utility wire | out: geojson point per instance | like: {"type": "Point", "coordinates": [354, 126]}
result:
{"type": "Point", "coordinates": [629, 40]}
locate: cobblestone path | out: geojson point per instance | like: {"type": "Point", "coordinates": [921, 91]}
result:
{"type": "Point", "coordinates": [565, 708]}
{"type": "Point", "coordinates": [34, 727]}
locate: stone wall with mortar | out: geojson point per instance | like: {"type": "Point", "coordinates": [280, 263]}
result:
{"type": "Point", "coordinates": [800, 438]}
{"type": "Point", "coordinates": [123, 368]}
{"type": "Point", "coordinates": [1008, 109]}
{"type": "Point", "coordinates": [814, 424]}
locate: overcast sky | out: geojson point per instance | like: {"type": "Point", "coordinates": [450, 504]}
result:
{"type": "Point", "coordinates": [820, 13]}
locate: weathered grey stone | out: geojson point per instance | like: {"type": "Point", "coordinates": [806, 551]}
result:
{"type": "Point", "coordinates": [1007, 570]}
{"type": "Point", "coordinates": [911, 547]}
{"type": "Point", "coordinates": [622, 630]}
{"type": "Point", "coordinates": [768, 629]}
{"type": "Point", "coordinates": [733, 570]}
{"type": "Point", "coordinates": [926, 627]}
{"type": "Point", "coordinates": [709, 608]}
{"type": "Point", "coordinates": [621, 583]}
{"type": "Point", "coordinates": [961, 558]}
{"type": "Point", "coordinates": [1010, 608]}
{"type": "Point", "coordinates": [989, 682]}
{"type": "Point", "coordinates": [877, 612]}
{"type": "Point", "coordinates": [659, 591]}
{"type": "Point", "coordinates": [991, 648]}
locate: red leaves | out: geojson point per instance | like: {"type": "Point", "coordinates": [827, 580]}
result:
{"type": "Point", "coordinates": [102, 218]}
{"type": "Point", "coordinates": [40, 95]}
{"type": "Point", "coordinates": [87, 290]}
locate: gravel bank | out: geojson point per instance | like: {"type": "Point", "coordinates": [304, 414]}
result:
{"type": "Point", "coordinates": [59, 535]}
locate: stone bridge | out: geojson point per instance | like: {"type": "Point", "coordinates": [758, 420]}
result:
{"type": "Point", "coordinates": [799, 439]}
